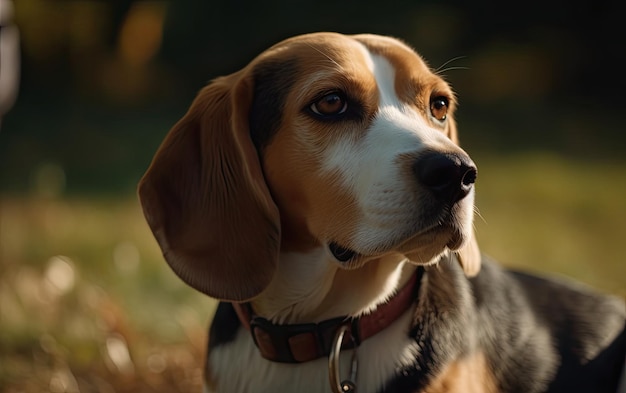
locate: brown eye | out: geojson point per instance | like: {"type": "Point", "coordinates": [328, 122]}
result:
{"type": "Point", "coordinates": [439, 108]}
{"type": "Point", "coordinates": [330, 105]}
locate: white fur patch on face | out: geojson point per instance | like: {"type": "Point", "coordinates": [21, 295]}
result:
{"type": "Point", "coordinates": [371, 167]}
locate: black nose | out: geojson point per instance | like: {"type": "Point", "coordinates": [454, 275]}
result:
{"type": "Point", "coordinates": [449, 176]}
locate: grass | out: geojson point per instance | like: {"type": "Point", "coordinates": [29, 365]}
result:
{"type": "Point", "coordinates": [543, 213]}
{"type": "Point", "coordinates": [88, 305]}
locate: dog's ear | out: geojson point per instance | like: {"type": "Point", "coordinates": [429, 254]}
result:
{"type": "Point", "coordinates": [469, 255]}
{"type": "Point", "coordinates": [206, 201]}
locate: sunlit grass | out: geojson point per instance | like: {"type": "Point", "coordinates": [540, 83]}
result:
{"type": "Point", "coordinates": [87, 303]}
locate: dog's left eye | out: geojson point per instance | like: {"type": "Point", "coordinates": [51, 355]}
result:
{"type": "Point", "coordinates": [439, 108]}
{"type": "Point", "coordinates": [330, 105]}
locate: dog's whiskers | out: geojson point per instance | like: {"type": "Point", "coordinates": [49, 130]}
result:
{"type": "Point", "coordinates": [440, 70]}
{"type": "Point", "coordinates": [477, 212]}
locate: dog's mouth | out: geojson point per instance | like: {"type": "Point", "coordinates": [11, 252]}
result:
{"type": "Point", "coordinates": [438, 231]}
{"type": "Point", "coordinates": [341, 253]}
{"type": "Point", "coordinates": [431, 240]}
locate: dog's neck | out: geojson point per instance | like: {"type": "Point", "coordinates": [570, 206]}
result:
{"type": "Point", "coordinates": [310, 287]}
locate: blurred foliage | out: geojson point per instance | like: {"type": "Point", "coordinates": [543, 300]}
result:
{"type": "Point", "coordinates": [87, 303]}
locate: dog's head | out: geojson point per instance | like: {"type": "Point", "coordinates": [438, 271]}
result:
{"type": "Point", "coordinates": [323, 140]}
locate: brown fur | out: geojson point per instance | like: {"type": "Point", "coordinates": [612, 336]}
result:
{"type": "Point", "coordinates": [208, 149]}
{"type": "Point", "coordinates": [470, 374]}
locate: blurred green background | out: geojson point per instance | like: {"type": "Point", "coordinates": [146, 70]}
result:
{"type": "Point", "coordinates": [86, 302]}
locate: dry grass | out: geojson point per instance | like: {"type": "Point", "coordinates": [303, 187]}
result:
{"type": "Point", "coordinates": [88, 305]}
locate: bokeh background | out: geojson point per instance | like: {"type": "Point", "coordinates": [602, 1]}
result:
{"type": "Point", "coordinates": [86, 302]}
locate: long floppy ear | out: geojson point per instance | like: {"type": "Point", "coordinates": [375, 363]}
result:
{"type": "Point", "coordinates": [469, 255]}
{"type": "Point", "coordinates": [206, 201]}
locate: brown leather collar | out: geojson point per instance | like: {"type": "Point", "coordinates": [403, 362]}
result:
{"type": "Point", "coordinates": [304, 342]}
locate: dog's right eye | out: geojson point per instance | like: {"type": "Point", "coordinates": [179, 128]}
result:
{"type": "Point", "coordinates": [439, 108]}
{"type": "Point", "coordinates": [332, 104]}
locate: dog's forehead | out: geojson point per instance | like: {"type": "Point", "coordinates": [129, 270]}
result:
{"type": "Point", "coordinates": [315, 46]}
{"type": "Point", "coordinates": [314, 59]}
{"type": "Point", "coordinates": [344, 53]}
{"type": "Point", "coordinates": [318, 56]}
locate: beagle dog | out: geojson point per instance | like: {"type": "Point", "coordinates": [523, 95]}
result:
{"type": "Point", "coordinates": [321, 195]}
